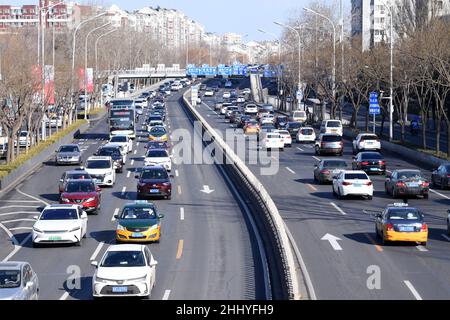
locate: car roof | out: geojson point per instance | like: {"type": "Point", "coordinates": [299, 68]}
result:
{"type": "Point", "coordinates": [407, 170]}
{"type": "Point", "coordinates": [99, 158]}
{"type": "Point", "coordinates": [77, 172]}
{"type": "Point", "coordinates": [111, 145]}
{"type": "Point", "coordinates": [126, 247]}
{"type": "Point", "coordinates": [354, 171]}
{"type": "Point", "coordinates": [62, 206]}
{"type": "Point", "coordinates": [69, 145]}
{"type": "Point", "coordinates": [140, 204]}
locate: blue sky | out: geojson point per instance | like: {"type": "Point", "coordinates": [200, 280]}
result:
{"type": "Point", "coordinates": [219, 16]}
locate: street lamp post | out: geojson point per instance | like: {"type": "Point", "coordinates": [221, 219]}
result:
{"type": "Point", "coordinates": [85, 65]}
{"type": "Point", "coordinates": [333, 77]}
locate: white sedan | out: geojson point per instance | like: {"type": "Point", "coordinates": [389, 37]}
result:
{"type": "Point", "coordinates": [287, 139]}
{"type": "Point", "coordinates": [272, 140]}
{"type": "Point", "coordinates": [123, 141]}
{"type": "Point", "coordinates": [60, 223]}
{"type": "Point", "coordinates": [352, 182]}
{"type": "Point", "coordinates": [158, 157]}
{"type": "Point", "coordinates": [209, 93]}
{"type": "Point", "coordinates": [306, 134]}
{"type": "Point", "coordinates": [267, 119]}
{"type": "Point", "coordinates": [126, 270]}
{"type": "Point", "coordinates": [226, 95]}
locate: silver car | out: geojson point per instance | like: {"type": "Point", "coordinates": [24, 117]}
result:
{"type": "Point", "coordinates": [68, 154]}
{"type": "Point", "coordinates": [18, 281]}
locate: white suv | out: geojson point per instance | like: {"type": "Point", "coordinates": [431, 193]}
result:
{"type": "Point", "coordinates": [251, 109]}
{"type": "Point", "coordinates": [101, 169]}
{"type": "Point", "coordinates": [124, 141]}
{"type": "Point", "coordinates": [366, 141]}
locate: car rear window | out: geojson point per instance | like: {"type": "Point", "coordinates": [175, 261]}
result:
{"type": "Point", "coordinates": [334, 164]}
{"type": "Point", "coordinates": [307, 132]}
{"type": "Point", "coordinates": [356, 176]}
{"type": "Point", "coordinates": [294, 125]}
{"type": "Point", "coordinates": [409, 175]}
{"type": "Point", "coordinates": [331, 138]}
{"type": "Point", "coordinates": [404, 214]}
{"type": "Point", "coordinates": [333, 124]}
{"type": "Point", "coordinates": [364, 138]}
{"type": "Point", "coordinates": [371, 156]}
{"type": "Point", "coordinates": [157, 154]}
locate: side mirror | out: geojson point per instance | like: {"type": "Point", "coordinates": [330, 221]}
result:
{"type": "Point", "coordinates": [36, 218]}
{"type": "Point", "coordinates": [61, 180]}
{"type": "Point", "coordinates": [94, 263]}
{"type": "Point", "coordinates": [136, 176]}
{"type": "Point", "coordinates": [160, 216]}
{"type": "Point", "coordinates": [29, 284]}
{"type": "Point", "coordinates": [84, 215]}
{"type": "Point", "coordinates": [153, 263]}
{"type": "Point", "coordinates": [98, 189]}
{"type": "Point", "coordinates": [315, 166]}
{"type": "Point", "coordinates": [116, 216]}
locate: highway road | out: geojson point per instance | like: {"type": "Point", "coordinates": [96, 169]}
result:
{"type": "Point", "coordinates": [207, 250]}
{"type": "Point", "coordinates": [343, 271]}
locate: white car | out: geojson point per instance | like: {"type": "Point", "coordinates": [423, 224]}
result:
{"type": "Point", "coordinates": [60, 223]}
{"type": "Point", "coordinates": [123, 141]}
{"type": "Point", "coordinates": [352, 182]}
{"type": "Point", "coordinates": [141, 103]}
{"type": "Point", "coordinates": [306, 134]}
{"type": "Point", "coordinates": [226, 95]}
{"type": "Point", "coordinates": [23, 140]}
{"type": "Point", "coordinates": [272, 140]}
{"type": "Point", "coordinates": [240, 100]}
{"type": "Point", "coordinates": [125, 270]}
{"type": "Point", "coordinates": [331, 126]}
{"type": "Point", "coordinates": [366, 142]}
{"type": "Point", "coordinates": [101, 169]}
{"type": "Point", "coordinates": [287, 139]}
{"type": "Point", "coordinates": [251, 109]}
{"type": "Point", "coordinates": [18, 281]}
{"type": "Point", "coordinates": [158, 157]}
{"type": "Point", "coordinates": [299, 116]}
{"type": "Point", "coordinates": [246, 91]}
{"type": "Point", "coordinates": [267, 119]}
{"type": "Point", "coordinates": [228, 84]}
{"type": "Point", "coordinates": [209, 93]}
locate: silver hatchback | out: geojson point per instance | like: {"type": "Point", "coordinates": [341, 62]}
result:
{"type": "Point", "coordinates": [18, 281]}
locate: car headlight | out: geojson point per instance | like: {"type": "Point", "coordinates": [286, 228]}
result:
{"type": "Point", "coordinates": [37, 230]}
{"type": "Point", "coordinates": [153, 227]}
{"type": "Point", "coordinates": [65, 200]}
{"type": "Point", "coordinates": [121, 228]}
{"type": "Point", "coordinates": [90, 199]}
{"type": "Point", "coordinates": [98, 279]}
{"type": "Point", "coordinates": [75, 229]}
{"type": "Point", "coordinates": [142, 279]}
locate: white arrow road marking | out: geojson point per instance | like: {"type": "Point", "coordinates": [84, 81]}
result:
{"type": "Point", "coordinates": [166, 295]}
{"type": "Point", "coordinates": [207, 190]}
{"type": "Point", "coordinates": [413, 290]}
{"type": "Point", "coordinates": [333, 241]}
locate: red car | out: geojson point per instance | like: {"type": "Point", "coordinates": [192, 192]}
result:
{"type": "Point", "coordinates": [83, 192]}
{"type": "Point", "coordinates": [154, 182]}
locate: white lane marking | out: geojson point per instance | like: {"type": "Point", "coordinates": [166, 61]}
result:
{"type": "Point", "coordinates": [290, 170]}
{"type": "Point", "coordinates": [124, 190]}
{"type": "Point", "coordinates": [181, 213]}
{"type": "Point", "coordinates": [20, 228]}
{"type": "Point", "coordinates": [338, 209]}
{"type": "Point", "coordinates": [300, 149]}
{"type": "Point", "coordinates": [422, 248]}
{"type": "Point", "coordinates": [440, 194]}
{"type": "Point", "coordinates": [6, 207]}
{"type": "Point", "coordinates": [176, 173]}
{"type": "Point", "coordinates": [32, 197]}
{"type": "Point", "coordinates": [64, 296]}
{"type": "Point", "coordinates": [128, 174]}
{"type": "Point", "coordinates": [18, 220]}
{"type": "Point", "coordinates": [18, 212]}
{"type": "Point", "coordinates": [166, 295]}
{"type": "Point", "coordinates": [132, 162]}
{"type": "Point", "coordinates": [314, 157]}
{"type": "Point", "coordinates": [135, 151]}
{"type": "Point", "coordinates": [412, 289]}
{"type": "Point", "coordinates": [97, 250]}
{"type": "Point", "coordinates": [445, 237]}
{"type": "Point", "coordinates": [16, 244]}
{"type": "Point", "coordinates": [20, 201]}
{"type": "Point", "coordinates": [116, 212]}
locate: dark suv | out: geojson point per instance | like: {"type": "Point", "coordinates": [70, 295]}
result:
{"type": "Point", "coordinates": [114, 152]}
{"type": "Point", "coordinates": [154, 182]}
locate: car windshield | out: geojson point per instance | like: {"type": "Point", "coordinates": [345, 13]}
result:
{"type": "Point", "coordinates": [138, 213]}
{"type": "Point", "coordinates": [404, 214]}
{"type": "Point", "coordinates": [334, 164]}
{"type": "Point", "coordinates": [299, 114]}
{"type": "Point", "coordinates": [307, 132]}
{"type": "Point", "coordinates": [106, 152]}
{"type": "Point", "coordinates": [333, 124]}
{"type": "Point", "coordinates": [154, 174]}
{"type": "Point", "coordinates": [59, 214]}
{"type": "Point", "coordinates": [23, 134]}
{"type": "Point", "coordinates": [80, 186]}
{"type": "Point", "coordinates": [371, 156]}
{"type": "Point", "coordinates": [331, 138]}
{"type": "Point", "coordinates": [124, 259]}
{"type": "Point", "coordinates": [409, 175]}
{"type": "Point", "coordinates": [282, 119]}
{"type": "Point", "coordinates": [157, 154]}
{"type": "Point", "coordinates": [119, 139]}
{"type": "Point", "coordinates": [98, 164]}
{"type": "Point", "coordinates": [157, 131]}
{"type": "Point", "coordinates": [283, 132]}
{"type": "Point", "coordinates": [356, 176]}
{"type": "Point", "coordinates": [69, 149]}
{"type": "Point", "coordinates": [9, 278]}
{"type": "Point", "coordinates": [294, 125]}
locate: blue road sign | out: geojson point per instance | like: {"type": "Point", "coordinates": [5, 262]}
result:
{"type": "Point", "coordinates": [374, 107]}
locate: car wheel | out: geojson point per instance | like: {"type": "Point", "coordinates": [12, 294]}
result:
{"type": "Point", "coordinates": [386, 190]}
{"type": "Point", "coordinates": [425, 196]}
{"type": "Point", "coordinates": [393, 193]}
{"type": "Point", "coordinates": [384, 242]}
{"type": "Point", "coordinates": [442, 184]}
{"type": "Point", "coordinates": [334, 191]}
{"type": "Point", "coordinates": [377, 234]}
{"type": "Point", "coordinates": [369, 197]}
{"type": "Point", "coordinates": [423, 244]}
{"type": "Point", "coordinates": [36, 245]}
{"type": "Point", "coordinates": [340, 196]}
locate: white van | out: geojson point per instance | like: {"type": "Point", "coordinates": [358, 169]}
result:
{"type": "Point", "coordinates": [299, 116]}
{"type": "Point", "coordinates": [3, 147]}
{"type": "Point", "coordinates": [331, 126]}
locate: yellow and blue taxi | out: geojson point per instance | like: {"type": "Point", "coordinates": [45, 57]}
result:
{"type": "Point", "coordinates": [139, 222]}
{"type": "Point", "coordinates": [158, 133]}
{"type": "Point", "coordinates": [402, 223]}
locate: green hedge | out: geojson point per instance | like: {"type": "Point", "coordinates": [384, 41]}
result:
{"type": "Point", "coordinates": [5, 169]}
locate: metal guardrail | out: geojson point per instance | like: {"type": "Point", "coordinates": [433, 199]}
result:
{"type": "Point", "coordinates": [274, 218]}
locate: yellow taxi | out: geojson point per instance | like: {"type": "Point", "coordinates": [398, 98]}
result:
{"type": "Point", "coordinates": [401, 223]}
{"type": "Point", "coordinates": [251, 127]}
{"type": "Point", "coordinates": [159, 134]}
{"type": "Point", "coordinates": [138, 222]}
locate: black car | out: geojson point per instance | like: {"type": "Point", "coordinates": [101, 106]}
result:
{"type": "Point", "coordinates": [441, 176]}
{"type": "Point", "coordinates": [406, 182]}
{"type": "Point", "coordinates": [281, 122]}
{"type": "Point", "coordinates": [202, 87]}
{"type": "Point", "coordinates": [234, 116]}
{"type": "Point", "coordinates": [114, 152]}
{"type": "Point", "coordinates": [293, 127]}
{"type": "Point", "coordinates": [153, 182]}
{"type": "Point", "coordinates": [243, 120]}
{"type": "Point", "coordinates": [326, 169]}
{"type": "Point", "coordinates": [370, 162]}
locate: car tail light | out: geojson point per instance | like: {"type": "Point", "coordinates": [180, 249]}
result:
{"type": "Point", "coordinates": [364, 163]}
{"type": "Point", "coordinates": [389, 227]}
{"type": "Point", "coordinates": [345, 183]}
{"type": "Point", "coordinates": [401, 184]}
{"type": "Point", "coordinates": [382, 162]}
{"type": "Point", "coordinates": [424, 228]}
{"type": "Point", "coordinates": [425, 184]}
{"type": "Point", "coordinates": [322, 145]}
{"type": "Point", "coordinates": [369, 183]}
{"type": "Point", "coordinates": [448, 176]}
{"type": "Point", "coordinates": [325, 171]}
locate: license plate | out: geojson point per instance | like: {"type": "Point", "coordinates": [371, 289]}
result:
{"type": "Point", "coordinates": [54, 238]}
{"type": "Point", "coordinates": [412, 185]}
{"type": "Point", "coordinates": [97, 181]}
{"type": "Point", "coordinates": [136, 235]}
{"type": "Point", "coordinates": [358, 185]}
{"type": "Point", "coordinates": [120, 289]}
{"type": "Point", "coordinates": [406, 229]}
{"type": "Point", "coordinates": [374, 169]}
{"type": "Point", "coordinates": [154, 190]}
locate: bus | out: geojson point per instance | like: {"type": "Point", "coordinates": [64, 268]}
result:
{"type": "Point", "coordinates": [122, 118]}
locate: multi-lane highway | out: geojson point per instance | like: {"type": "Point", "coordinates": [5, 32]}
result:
{"type": "Point", "coordinates": [207, 250]}
{"type": "Point", "coordinates": [346, 267]}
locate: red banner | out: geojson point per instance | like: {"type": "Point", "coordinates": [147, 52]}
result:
{"type": "Point", "coordinates": [82, 78]}
{"type": "Point", "coordinates": [90, 80]}
{"type": "Point", "coordinates": [49, 87]}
